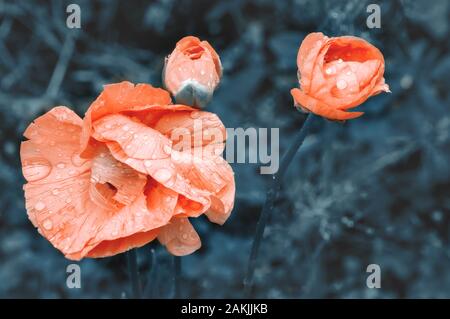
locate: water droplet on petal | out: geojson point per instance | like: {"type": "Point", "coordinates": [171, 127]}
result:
{"type": "Point", "coordinates": [68, 200]}
{"type": "Point", "coordinates": [340, 61]}
{"type": "Point", "coordinates": [195, 114]}
{"type": "Point", "coordinates": [36, 169]}
{"type": "Point", "coordinates": [167, 149]}
{"type": "Point", "coordinates": [48, 224]}
{"type": "Point", "coordinates": [185, 236]}
{"type": "Point", "coordinates": [55, 191]}
{"type": "Point", "coordinates": [163, 175]}
{"type": "Point", "coordinates": [39, 206]}
{"type": "Point", "coordinates": [147, 163]}
{"type": "Point", "coordinates": [176, 156]}
{"type": "Point", "coordinates": [77, 160]}
{"type": "Point", "coordinates": [52, 143]}
{"type": "Point", "coordinates": [330, 70]}
{"type": "Point", "coordinates": [341, 84]}
{"type": "Point", "coordinates": [125, 128]}
{"type": "Point", "coordinates": [61, 165]}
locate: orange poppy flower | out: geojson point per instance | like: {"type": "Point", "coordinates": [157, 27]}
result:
{"type": "Point", "coordinates": [116, 180]}
{"type": "Point", "coordinates": [337, 74]}
{"type": "Point", "coordinates": [192, 72]}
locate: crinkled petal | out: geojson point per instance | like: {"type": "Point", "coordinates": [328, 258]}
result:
{"type": "Point", "coordinates": [135, 138]}
{"type": "Point", "coordinates": [120, 97]}
{"type": "Point", "coordinates": [307, 57]}
{"type": "Point", "coordinates": [194, 129]}
{"type": "Point", "coordinates": [222, 201]}
{"type": "Point", "coordinates": [128, 183]}
{"type": "Point", "coordinates": [319, 108]}
{"type": "Point", "coordinates": [75, 211]}
{"type": "Point", "coordinates": [179, 237]}
{"type": "Point", "coordinates": [51, 153]}
{"type": "Point", "coordinates": [166, 172]}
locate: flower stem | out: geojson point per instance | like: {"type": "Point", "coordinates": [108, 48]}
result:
{"type": "Point", "coordinates": [134, 274]}
{"type": "Point", "coordinates": [177, 277]}
{"type": "Point", "coordinates": [271, 196]}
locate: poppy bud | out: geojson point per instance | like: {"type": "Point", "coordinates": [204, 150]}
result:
{"type": "Point", "coordinates": [336, 75]}
{"type": "Point", "coordinates": [192, 72]}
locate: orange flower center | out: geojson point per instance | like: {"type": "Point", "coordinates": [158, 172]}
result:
{"type": "Point", "coordinates": [346, 52]}
{"type": "Point", "coordinates": [194, 52]}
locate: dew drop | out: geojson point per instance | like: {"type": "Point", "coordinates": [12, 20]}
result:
{"type": "Point", "coordinates": [125, 128]}
{"type": "Point", "coordinates": [48, 224]}
{"type": "Point", "coordinates": [167, 149]}
{"type": "Point", "coordinates": [147, 163]}
{"type": "Point", "coordinates": [163, 175]}
{"type": "Point", "coordinates": [68, 200]}
{"type": "Point", "coordinates": [176, 156]}
{"type": "Point", "coordinates": [330, 70]}
{"type": "Point", "coordinates": [341, 84]}
{"type": "Point", "coordinates": [39, 206]}
{"type": "Point", "coordinates": [61, 165]}
{"type": "Point", "coordinates": [52, 143]}
{"type": "Point", "coordinates": [77, 160]}
{"type": "Point", "coordinates": [55, 191]}
{"type": "Point", "coordinates": [195, 114]}
{"type": "Point", "coordinates": [340, 61]}
{"type": "Point", "coordinates": [185, 236]}
{"type": "Point", "coordinates": [202, 72]}
{"type": "Point", "coordinates": [36, 169]}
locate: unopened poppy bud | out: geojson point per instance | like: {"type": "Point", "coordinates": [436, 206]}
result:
{"type": "Point", "coordinates": [192, 72]}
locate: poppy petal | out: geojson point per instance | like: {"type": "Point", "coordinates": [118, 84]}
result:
{"type": "Point", "coordinates": [136, 139]}
{"type": "Point", "coordinates": [319, 108]}
{"type": "Point", "coordinates": [120, 97]}
{"type": "Point", "coordinates": [179, 237]}
{"type": "Point", "coordinates": [128, 183]}
{"type": "Point", "coordinates": [193, 129]}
